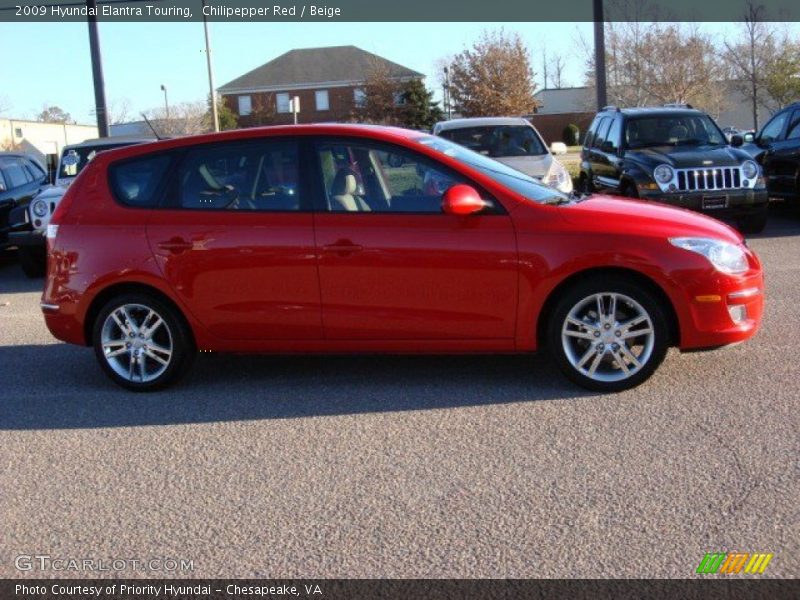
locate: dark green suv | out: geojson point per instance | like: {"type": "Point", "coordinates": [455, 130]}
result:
{"type": "Point", "coordinates": [676, 155]}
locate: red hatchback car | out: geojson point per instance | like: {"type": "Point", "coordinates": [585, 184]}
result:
{"type": "Point", "coordinates": [345, 238]}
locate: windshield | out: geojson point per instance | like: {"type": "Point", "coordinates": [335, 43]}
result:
{"type": "Point", "coordinates": [73, 160]}
{"type": "Point", "coordinates": [498, 140]}
{"type": "Point", "coordinates": [516, 181]}
{"type": "Point", "coordinates": [673, 130]}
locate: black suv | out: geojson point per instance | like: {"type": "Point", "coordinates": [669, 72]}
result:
{"type": "Point", "coordinates": [21, 178]}
{"type": "Point", "coordinates": [676, 155]}
{"type": "Point", "coordinates": [777, 148]}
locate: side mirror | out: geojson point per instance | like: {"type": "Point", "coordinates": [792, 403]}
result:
{"type": "Point", "coordinates": [607, 146]}
{"type": "Point", "coordinates": [736, 140]}
{"type": "Point", "coordinates": [462, 200]}
{"type": "Point", "coordinates": [749, 138]}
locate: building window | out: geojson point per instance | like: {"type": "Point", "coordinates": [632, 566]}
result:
{"type": "Point", "coordinates": [18, 132]}
{"type": "Point", "coordinates": [359, 97]}
{"type": "Point", "coordinates": [282, 102]}
{"type": "Point", "coordinates": [399, 98]}
{"type": "Point", "coordinates": [321, 97]}
{"type": "Point", "coordinates": [245, 105]}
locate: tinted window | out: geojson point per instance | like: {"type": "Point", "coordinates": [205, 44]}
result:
{"type": "Point", "coordinates": [614, 134]}
{"type": "Point", "coordinates": [135, 182]}
{"type": "Point", "coordinates": [498, 140]}
{"type": "Point", "coordinates": [587, 141]}
{"type": "Point", "coordinates": [359, 177]}
{"type": "Point", "coordinates": [602, 131]}
{"type": "Point", "coordinates": [773, 129]}
{"type": "Point", "coordinates": [15, 174]}
{"type": "Point", "coordinates": [259, 175]}
{"type": "Point", "coordinates": [793, 132]}
{"type": "Point", "coordinates": [35, 170]}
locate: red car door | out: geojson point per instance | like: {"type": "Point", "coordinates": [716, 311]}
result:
{"type": "Point", "coordinates": [392, 266]}
{"type": "Point", "coordinates": [235, 241]}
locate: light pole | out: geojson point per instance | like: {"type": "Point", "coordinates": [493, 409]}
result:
{"type": "Point", "coordinates": [166, 102]}
{"type": "Point", "coordinates": [100, 108]}
{"type": "Point", "coordinates": [214, 108]}
{"type": "Point", "coordinates": [599, 54]}
{"type": "Point", "coordinates": [447, 92]}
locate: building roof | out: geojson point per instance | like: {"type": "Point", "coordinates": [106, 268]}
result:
{"type": "Point", "coordinates": [307, 67]}
{"type": "Point", "coordinates": [565, 100]}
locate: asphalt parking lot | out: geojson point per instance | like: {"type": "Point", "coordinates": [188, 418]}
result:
{"type": "Point", "coordinates": [405, 466]}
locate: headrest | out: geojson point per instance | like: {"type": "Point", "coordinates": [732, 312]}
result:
{"type": "Point", "coordinates": [678, 132]}
{"type": "Point", "coordinates": [344, 183]}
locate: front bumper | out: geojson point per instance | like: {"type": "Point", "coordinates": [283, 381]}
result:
{"type": "Point", "coordinates": [723, 310]}
{"type": "Point", "coordinates": [722, 203]}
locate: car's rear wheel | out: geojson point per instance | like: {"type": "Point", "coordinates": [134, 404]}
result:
{"type": "Point", "coordinates": [142, 343]}
{"type": "Point", "coordinates": [585, 184]}
{"type": "Point", "coordinates": [629, 190]}
{"type": "Point", "coordinates": [33, 261]}
{"type": "Point", "coordinates": [608, 334]}
{"type": "Point", "coordinates": [753, 223]}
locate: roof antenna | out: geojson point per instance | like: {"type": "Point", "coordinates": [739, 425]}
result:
{"type": "Point", "coordinates": [150, 125]}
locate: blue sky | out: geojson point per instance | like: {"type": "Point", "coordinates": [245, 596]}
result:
{"type": "Point", "coordinates": [52, 65]}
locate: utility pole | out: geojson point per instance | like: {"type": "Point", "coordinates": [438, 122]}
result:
{"type": "Point", "coordinates": [446, 99]}
{"type": "Point", "coordinates": [214, 108]}
{"type": "Point", "coordinates": [599, 54]}
{"type": "Point", "coordinates": [100, 108]}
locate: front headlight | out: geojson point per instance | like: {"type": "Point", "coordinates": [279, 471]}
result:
{"type": "Point", "coordinates": [749, 169]}
{"type": "Point", "coordinates": [663, 173]}
{"type": "Point", "coordinates": [39, 208]}
{"type": "Point", "coordinates": [726, 257]}
{"type": "Point", "coordinates": [559, 178]}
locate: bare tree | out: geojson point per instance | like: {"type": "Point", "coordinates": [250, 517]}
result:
{"type": "Point", "coordinates": [54, 114]}
{"type": "Point", "coordinates": [120, 111]}
{"type": "Point", "coordinates": [557, 66]}
{"type": "Point", "coordinates": [185, 118]}
{"type": "Point", "coordinates": [748, 57]}
{"type": "Point", "coordinates": [5, 104]}
{"type": "Point", "coordinates": [494, 77]}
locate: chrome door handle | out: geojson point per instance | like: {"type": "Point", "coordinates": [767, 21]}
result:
{"type": "Point", "coordinates": [343, 248]}
{"type": "Point", "coordinates": [175, 245]}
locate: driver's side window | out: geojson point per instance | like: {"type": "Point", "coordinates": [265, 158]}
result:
{"type": "Point", "coordinates": [773, 129]}
{"type": "Point", "coordinates": [366, 178]}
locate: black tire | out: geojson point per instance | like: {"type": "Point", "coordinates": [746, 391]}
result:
{"type": "Point", "coordinates": [580, 293]}
{"type": "Point", "coordinates": [753, 223]}
{"type": "Point", "coordinates": [33, 261]}
{"type": "Point", "coordinates": [629, 190]}
{"type": "Point", "coordinates": [177, 333]}
{"type": "Point", "coordinates": [585, 184]}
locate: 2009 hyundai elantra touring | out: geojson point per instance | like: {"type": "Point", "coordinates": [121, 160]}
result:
{"type": "Point", "coordinates": [344, 238]}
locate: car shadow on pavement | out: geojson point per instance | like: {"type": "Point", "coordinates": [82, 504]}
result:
{"type": "Point", "coordinates": [12, 280]}
{"type": "Point", "coordinates": [60, 386]}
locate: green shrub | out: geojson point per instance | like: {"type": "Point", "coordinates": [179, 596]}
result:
{"type": "Point", "coordinates": [571, 135]}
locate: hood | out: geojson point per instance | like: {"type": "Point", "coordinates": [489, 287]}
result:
{"type": "Point", "coordinates": [646, 218]}
{"type": "Point", "coordinates": [535, 166]}
{"type": "Point", "coordinates": [52, 192]}
{"type": "Point", "coordinates": [681, 157]}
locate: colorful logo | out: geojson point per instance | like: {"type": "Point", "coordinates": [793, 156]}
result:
{"type": "Point", "coordinates": [734, 562]}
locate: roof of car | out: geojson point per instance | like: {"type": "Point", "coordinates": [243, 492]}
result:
{"type": "Point", "coordinates": [654, 111]}
{"type": "Point", "coordinates": [480, 122]}
{"type": "Point", "coordinates": [112, 141]}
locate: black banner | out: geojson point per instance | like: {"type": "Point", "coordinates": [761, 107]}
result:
{"type": "Point", "coordinates": [731, 588]}
{"type": "Point", "coordinates": [406, 11]}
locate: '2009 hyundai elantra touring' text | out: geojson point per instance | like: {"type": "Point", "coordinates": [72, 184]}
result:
{"type": "Point", "coordinates": [346, 238]}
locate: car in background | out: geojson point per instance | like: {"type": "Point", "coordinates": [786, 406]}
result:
{"type": "Point", "coordinates": [325, 238]}
{"type": "Point", "coordinates": [777, 149]}
{"type": "Point", "coordinates": [676, 155]}
{"type": "Point", "coordinates": [730, 132]}
{"type": "Point", "coordinates": [21, 178]}
{"type": "Point", "coordinates": [28, 222]}
{"type": "Point", "coordinates": [509, 140]}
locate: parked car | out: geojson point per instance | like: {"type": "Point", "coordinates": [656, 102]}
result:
{"type": "Point", "coordinates": [512, 141]}
{"type": "Point", "coordinates": [675, 155]}
{"type": "Point", "coordinates": [28, 222]}
{"type": "Point", "coordinates": [315, 238]}
{"type": "Point", "coordinates": [21, 178]}
{"type": "Point", "coordinates": [777, 149]}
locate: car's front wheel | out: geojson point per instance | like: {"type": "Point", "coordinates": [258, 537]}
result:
{"type": "Point", "coordinates": [608, 334]}
{"type": "Point", "coordinates": [33, 261]}
{"type": "Point", "coordinates": [754, 223]}
{"type": "Point", "coordinates": [142, 343]}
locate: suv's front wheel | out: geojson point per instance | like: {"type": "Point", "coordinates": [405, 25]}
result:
{"type": "Point", "coordinates": [753, 223]}
{"type": "Point", "coordinates": [608, 334]}
{"type": "Point", "coordinates": [141, 342]}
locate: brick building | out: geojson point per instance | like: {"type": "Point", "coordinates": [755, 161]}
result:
{"type": "Point", "coordinates": [328, 82]}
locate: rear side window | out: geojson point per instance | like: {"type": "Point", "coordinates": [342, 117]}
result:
{"type": "Point", "coordinates": [135, 182]}
{"type": "Point", "coordinates": [602, 131]}
{"type": "Point", "coordinates": [587, 142]}
{"type": "Point", "coordinates": [15, 173]}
